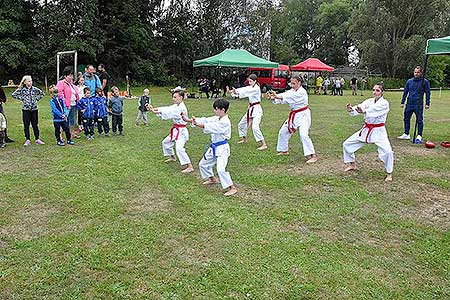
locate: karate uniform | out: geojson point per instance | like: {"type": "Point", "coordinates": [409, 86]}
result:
{"type": "Point", "coordinates": [254, 111]}
{"type": "Point", "coordinates": [219, 149]}
{"type": "Point", "coordinates": [299, 118]}
{"type": "Point", "coordinates": [178, 135]}
{"type": "Point", "coordinates": [373, 132]}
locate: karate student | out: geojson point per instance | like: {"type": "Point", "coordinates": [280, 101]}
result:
{"type": "Point", "coordinates": [254, 112]}
{"type": "Point", "coordinates": [179, 134]}
{"type": "Point", "coordinates": [299, 118]}
{"type": "Point", "coordinates": [375, 111]}
{"type": "Point", "coordinates": [218, 152]}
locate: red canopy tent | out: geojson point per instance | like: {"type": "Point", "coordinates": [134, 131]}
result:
{"type": "Point", "coordinates": [312, 64]}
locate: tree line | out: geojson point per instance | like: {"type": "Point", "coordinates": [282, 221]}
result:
{"type": "Point", "coordinates": [157, 40]}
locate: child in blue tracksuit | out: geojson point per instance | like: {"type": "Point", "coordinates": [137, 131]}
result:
{"type": "Point", "coordinates": [59, 112]}
{"type": "Point", "coordinates": [88, 105]}
{"type": "Point", "coordinates": [101, 114]}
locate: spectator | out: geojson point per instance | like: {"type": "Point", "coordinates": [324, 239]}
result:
{"type": "Point", "coordinates": [105, 79]}
{"type": "Point", "coordinates": [29, 95]}
{"type": "Point", "coordinates": [91, 80]}
{"type": "Point", "coordinates": [354, 84]}
{"type": "Point", "coordinates": [2, 111]}
{"type": "Point", "coordinates": [319, 82]}
{"type": "Point", "coordinates": [69, 93]}
{"type": "Point", "coordinates": [326, 84]}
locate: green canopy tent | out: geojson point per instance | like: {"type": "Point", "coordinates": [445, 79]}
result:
{"type": "Point", "coordinates": [235, 58]}
{"type": "Point", "coordinates": [438, 46]}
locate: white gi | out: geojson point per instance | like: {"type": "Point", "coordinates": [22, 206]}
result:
{"type": "Point", "coordinates": [220, 130]}
{"type": "Point", "coordinates": [297, 100]}
{"type": "Point", "coordinates": [254, 111]}
{"type": "Point", "coordinates": [178, 135]}
{"type": "Point", "coordinates": [374, 131]}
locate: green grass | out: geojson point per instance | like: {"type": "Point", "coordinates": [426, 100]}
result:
{"type": "Point", "coordinates": [107, 219]}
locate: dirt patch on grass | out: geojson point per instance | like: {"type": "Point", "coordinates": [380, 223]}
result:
{"type": "Point", "coordinates": [257, 197]}
{"type": "Point", "coordinates": [147, 203]}
{"type": "Point", "coordinates": [415, 200]}
{"type": "Point", "coordinates": [186, 252]}
{"type": "Point", "coordinates": [35, 221]}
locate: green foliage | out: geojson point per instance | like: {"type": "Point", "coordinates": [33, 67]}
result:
{"type": "Point", "coordinates": [156, 41]}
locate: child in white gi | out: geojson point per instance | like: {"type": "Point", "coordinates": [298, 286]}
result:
{"type": "Point", "coordinates": [254, 111]}
{"type": "Point", "coordinates": [179, 134]}
{"type": "Point", "coordinates": [375, 112]}
{"type": "Point", "coordinates": [299, 118]}
{"type": "Point", "coordinates": [218, 152]}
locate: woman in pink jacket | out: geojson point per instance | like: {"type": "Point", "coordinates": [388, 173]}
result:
{"type": "Point", "coordinates": [68, 91]}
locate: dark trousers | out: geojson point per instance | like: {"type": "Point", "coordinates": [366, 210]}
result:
{"type": "Point", "coordinates": [64, 125]}
{"type": "Point", "coordinates": [88, 125]}
{"type": "Point", "coordinates": [117, 122]}
{"type": "Point", "coordinates": [103, 124]}
{"type": "Point", "coordinates": [418, 111]}
{"type": "Point", "coordinates": [2, 137]}
{"type": "Point", "coordinates": [80, 117]}
{"type": "Point", "coordinates": [30, 116]}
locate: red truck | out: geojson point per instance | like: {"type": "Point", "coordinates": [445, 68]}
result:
{"type": "Point", "coordinates": [272, 79]}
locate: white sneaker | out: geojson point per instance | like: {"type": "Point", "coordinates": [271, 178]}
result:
{"type": "Point", "coordinates": [419, 138]}
{"type": "Point", "coordinates": [404, 137]}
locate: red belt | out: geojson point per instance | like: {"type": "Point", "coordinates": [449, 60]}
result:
{"type": "Point", "coordinates": [370, 127]}
{"type": "Point", "coordinates": [291, 118]}
{"type": "Point", "coordinates": [177, 127]}
{"type": "Point", "coordinates": [250, 111]}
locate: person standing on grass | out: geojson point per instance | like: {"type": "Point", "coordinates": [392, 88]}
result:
{"type": "Point", "coordinates": [2, 111]}
{"type": "Point", "coordinates": [59, 113]}
{"type": "Point", "coordinates": [178, 135]}
{"type": "Point", "coordinates": [2, 130]}
{"type": "Point", "coordinates": [87, 106]}
{"type": "Point", "coordinates": [91, 79]}
{"type": "Point", "coordinates": [299, 118]}
{"type": "Point", "coordinates": [375, 111]}
{"type": "Point", "coordinates": [143, 103]}
{"type": "Point", "coordinates": [69, 93]}
{"type": "Point", "coordinates": [80, 87]}
{"type": "Point", "coordinates": [101, 113]}
{"type": "Point", "coordinates": [115, 104]}
{"type": "Point", "coordinates": [354, 84]}
{"type": "Point", "coordinates": [254, 112]}
{"type": "Point", "coordinates": [218, 152]}
{"type": "Point", "coordinates": [105, 79]}
{"type": "Point", "coordinates": [29, 95]}
{"type": "Point", "coordinates": [413, 95]}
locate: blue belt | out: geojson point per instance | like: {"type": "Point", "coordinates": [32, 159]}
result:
{"type": "Point", "coordinates": [213, 146]}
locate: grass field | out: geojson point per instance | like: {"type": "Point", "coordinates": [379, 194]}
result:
{"type": "Point", "coordinates": [107, 219]}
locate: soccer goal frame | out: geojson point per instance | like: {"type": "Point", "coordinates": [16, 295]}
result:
{"type": "Point", "coordinates": [75, 62]}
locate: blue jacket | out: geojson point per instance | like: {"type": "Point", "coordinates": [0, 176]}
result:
{"type": "Point", "coordinates": [101, 111]}
{"type": "Point", "coordinates": [414, 92]}
{"type": "Point", "coordinates": [92, 81]}
{"type": "Point", "coordinates": [90, 106]}
{"type": "Point", "coordinates": [59, 109]}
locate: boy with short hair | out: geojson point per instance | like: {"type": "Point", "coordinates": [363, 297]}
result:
{"type": "Point", "coordinates": [59, 112]}
{"type": "Point", "coordinates": [101, 113]}
{"type": "Point", "coordinates": [115, 104]}
{"type": "Point", "coordinates": [219, 126]}
{"type": "Point", "coordinates": [87, 106]}
{"type": "Point", "coordinates": [144, 101]}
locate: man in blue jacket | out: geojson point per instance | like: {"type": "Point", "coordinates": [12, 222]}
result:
{"type": "Point", "coordinates": [413, 93]}
{"type": "Point", "coordinates": [91, 80]}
